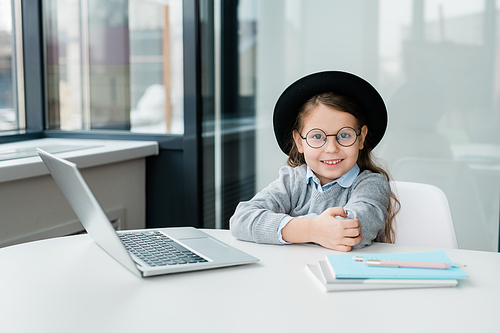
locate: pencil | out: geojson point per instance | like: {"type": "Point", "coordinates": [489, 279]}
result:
{"type": "Point", "coordinates": [410, 264]}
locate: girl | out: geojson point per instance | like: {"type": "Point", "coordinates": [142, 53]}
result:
{"type": "Point", "coordinates": [331, 193]}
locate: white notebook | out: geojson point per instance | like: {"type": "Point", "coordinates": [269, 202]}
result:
{"type": "Point", "coordinates": [322, 274]}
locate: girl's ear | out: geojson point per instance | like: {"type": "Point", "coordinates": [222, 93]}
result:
{"type": "Point", "coordinates": [298, 141]}
{"type": "Point", "coordinates": [364, 132]}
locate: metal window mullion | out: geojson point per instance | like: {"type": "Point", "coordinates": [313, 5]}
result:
{"type": "Point", "coordinates": [85, 50]}
{"type": "Point", "coordinates": [19, 65]}
{"type": "Point", "coordinates": [217, 115]}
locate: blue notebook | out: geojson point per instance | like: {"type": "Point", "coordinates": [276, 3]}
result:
{"type": "Point", "coordinates": [344, 267]}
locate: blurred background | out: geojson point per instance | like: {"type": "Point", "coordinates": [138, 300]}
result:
{"type": "Point", "coordinates": [117, 65]}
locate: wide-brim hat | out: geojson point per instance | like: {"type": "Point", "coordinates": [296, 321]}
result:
{"type": "Point", "coordinates": [298, 93]}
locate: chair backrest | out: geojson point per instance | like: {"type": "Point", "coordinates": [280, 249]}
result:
{"type": "Point", "coordinates": [474, 230]}
{"type": "Point", "coordinates": [425, 216]}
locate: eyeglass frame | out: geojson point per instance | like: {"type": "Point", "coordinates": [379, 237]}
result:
{"type": "Point", "coordinates": [327, 135]}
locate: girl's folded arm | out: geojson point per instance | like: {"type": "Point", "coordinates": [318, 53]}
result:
{"type": "Point", "coordinates": [258, 219]}
{"type": "Point", "coordinates": [368, 204]}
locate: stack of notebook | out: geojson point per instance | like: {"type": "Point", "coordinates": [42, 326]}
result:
{"type": "Point", "coordinates": [348, 272]}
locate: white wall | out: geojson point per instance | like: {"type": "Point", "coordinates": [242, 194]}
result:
{"type": "Point", "coordinates": [34, 208]}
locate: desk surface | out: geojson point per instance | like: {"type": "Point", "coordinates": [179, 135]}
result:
{"type": "Point", "coordinates": [70, 285]}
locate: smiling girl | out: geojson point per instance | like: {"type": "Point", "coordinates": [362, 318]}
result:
{"type": "Point", "coordinates": [331, 193]}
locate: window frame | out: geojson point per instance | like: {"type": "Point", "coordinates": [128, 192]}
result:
{"type": "Point", "coordinates": [35, 92]}
{"type": "Point", "coordinates": [32, 66]}
{"type": "Point", "coordinates": [187, 168]}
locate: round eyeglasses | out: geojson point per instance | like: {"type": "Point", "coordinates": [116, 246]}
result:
{"type": "Point", "coordinates": [316, 138]}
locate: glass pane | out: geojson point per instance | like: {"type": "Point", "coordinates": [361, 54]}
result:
{"type": "Point", "coordinates": [435, 63]}
{"type": "Point", "coordinates": [64, 65]}
{"type": "Point", "coordinates": [114, 65]}
{"type": "Point", "coordinates": [439, 75]}
{"type": "Point", "coordinates": [9, 116]}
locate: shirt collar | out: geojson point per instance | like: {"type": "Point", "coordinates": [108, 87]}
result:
{"type": "Point", "coordinates": [345, 180]}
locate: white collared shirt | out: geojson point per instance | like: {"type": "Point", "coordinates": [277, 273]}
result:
{"type": "Point", "coordinates": [345, 180]}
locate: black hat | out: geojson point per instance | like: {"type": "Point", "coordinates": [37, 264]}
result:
{"type": "Point", "coordinates": [342, 83]}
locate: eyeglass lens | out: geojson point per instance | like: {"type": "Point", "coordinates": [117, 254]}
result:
{"type": "Point", "coordinates": [316, 138]}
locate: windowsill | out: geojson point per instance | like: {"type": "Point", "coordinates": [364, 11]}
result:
{"type": "Point", "coordinates": [87, 153]}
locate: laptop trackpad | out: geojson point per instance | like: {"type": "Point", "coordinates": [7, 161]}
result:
{"type": "Point", "coordinates": [183, 233]}
{"type": "Point", "coordinates": [209, 247]}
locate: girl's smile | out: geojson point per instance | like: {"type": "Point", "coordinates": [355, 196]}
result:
{"type": "Point", "coordinates": [332, 160]}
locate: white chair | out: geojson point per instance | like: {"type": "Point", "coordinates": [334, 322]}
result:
{"type": "Point", "coordinates": [425, 216]}
{"type": "Point", "coordinates": [474, 230]}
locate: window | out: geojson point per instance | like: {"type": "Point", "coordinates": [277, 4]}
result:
{"type": "Point", "coordinates": [114, 65]}
{"type": "Point", "coordinates": [435, 62]}
{"type": "Point", "coordinates": [11, 72]}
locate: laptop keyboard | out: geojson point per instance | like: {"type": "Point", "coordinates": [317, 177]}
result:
{"type": "Point", "coordinates": [157, 249]}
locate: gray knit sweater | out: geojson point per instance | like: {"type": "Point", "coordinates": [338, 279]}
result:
{"type": "Point", "coordinates": [367, 200]}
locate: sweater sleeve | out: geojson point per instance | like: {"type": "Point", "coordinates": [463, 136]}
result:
{"type": "Point", "coordinates": [258, 219]}
{"type": "Point", "coordinates": [368, 203]}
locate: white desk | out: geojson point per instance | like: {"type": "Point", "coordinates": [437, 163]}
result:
{"type": "Point", "coordinates": [70, 285]}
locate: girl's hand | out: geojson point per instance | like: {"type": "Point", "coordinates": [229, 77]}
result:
{"type": "Point", "coordinates": [333, 233]}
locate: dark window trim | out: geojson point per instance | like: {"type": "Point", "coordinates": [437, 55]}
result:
{"type": "Point", "coordinates": [9, 138]}
{"type": "Point", "coordinates": [165, 141]}
{"type": "Point", "coordinates": [193, 185]}
{"type": "Point", "coordinates": [33, 65]}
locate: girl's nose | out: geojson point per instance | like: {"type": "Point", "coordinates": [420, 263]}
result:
{"type": "Point", "coordinates": [331, 145]}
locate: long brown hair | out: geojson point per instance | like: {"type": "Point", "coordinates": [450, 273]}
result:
{"type": "Point", "coordinates": [365, 158]}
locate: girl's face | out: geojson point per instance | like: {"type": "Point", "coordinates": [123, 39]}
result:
{"type": "Point", "coordinates": [332, 160]}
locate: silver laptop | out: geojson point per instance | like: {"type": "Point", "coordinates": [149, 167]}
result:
{"type": "Point", "coordinates": [145, 252]}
